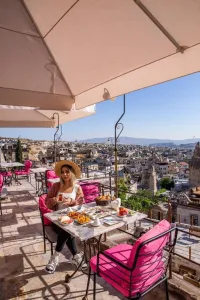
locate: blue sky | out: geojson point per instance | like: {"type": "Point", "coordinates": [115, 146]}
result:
{"type": "Point", "coordinates": [170, 110]}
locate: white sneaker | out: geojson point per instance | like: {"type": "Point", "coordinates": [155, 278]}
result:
{"type": "Point", "coordinates": [52, 264]}
{"type": "Point", "coordinates": [77, 259]}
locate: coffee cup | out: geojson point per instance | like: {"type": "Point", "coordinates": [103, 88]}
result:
{"type": "Point", "coordinates": [97, 222]}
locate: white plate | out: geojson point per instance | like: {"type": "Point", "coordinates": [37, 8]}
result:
{"type": "Point", "coordinates": [121, 217]}
{"type": "Point", "coordinates": [65, 224]}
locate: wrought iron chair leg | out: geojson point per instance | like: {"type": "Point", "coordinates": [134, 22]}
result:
{"type": "Point", "coordinates": [44, 244]}
{"type": "Point", "coordinates": [94, 288]}
{"type": "Point", "coordinates": [88, 284]}
{"type": "Point", "coordinates": [51, 248]}
{"type": "Point", "coordinates": [166, 289]}
{"type": "Point", "coordinates": [0, 207]}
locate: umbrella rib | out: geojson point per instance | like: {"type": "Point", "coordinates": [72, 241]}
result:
{"type": "Point", "coordinates": [159, 25]}
{"type": "Point", "coordinates": [46, 46]}
{"type": "Point", "coordinates": [48, 119]}
{"type": "Point", "coordinates": [15, 31]}
{"type": "Point", "coordinates": [152, 62]}
{"type": "Point", "coordinates": [60, 19]}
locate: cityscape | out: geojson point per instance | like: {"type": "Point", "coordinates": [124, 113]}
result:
{"type": "Point", "coordinates": [99, 150]}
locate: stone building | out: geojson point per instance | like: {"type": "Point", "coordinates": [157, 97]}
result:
{"type": "Point", "coordinates": [149, 180]}
{"type": "Point", "coordinates": [194, 167]}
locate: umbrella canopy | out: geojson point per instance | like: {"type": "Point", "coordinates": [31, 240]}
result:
{"type": "Point", "coordinates": [57, 52]}
{"type": "Point", "coordinates": [13, 116]}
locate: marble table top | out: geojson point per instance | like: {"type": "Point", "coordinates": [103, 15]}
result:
{"type": "Point", "coordinates": [11, 165]}
{"type": "Point", "coordinates": [38, 170]}
{"type": "Point", "coordinates": [53, 180]}
{"type": "Point", "coordinates": [87, 231]}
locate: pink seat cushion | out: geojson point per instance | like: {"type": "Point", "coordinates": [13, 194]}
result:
{"type": "Point", "coordinates": [6, 174]}
{"type": "Point", "coordinates": [90, 191]}
{"type": "Point", "coordinates": [149, 267]}
{"type": "Point", "coordinates": [28, 165]}
{"type": "Point", "coordinates": [50, 174]}
{"type": "Point", "coordinates": [110, 271]}
{"type": "Point", "coordinates": [44, 209]}
{"type": "Point", "coordinates": [1, 182]}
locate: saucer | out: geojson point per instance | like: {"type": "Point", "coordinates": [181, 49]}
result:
{"type": "Point", "coordinates": [94, 225]}
{"type": "Point", "coordinates": [124, 216]}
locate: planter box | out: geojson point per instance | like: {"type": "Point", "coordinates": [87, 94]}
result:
{"type": "Point", "coordinates": [185, 270]}
{"type": "Point", "coordinates": [193, 281]}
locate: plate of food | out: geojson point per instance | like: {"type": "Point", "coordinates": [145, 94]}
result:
{"type": "Point", "coordinates": [73, 214]}
{"type": "Point", "coordinates": [65, 220]}
{"type": "Point", "coordinates": [83, 219]}
{"type": "Point", "coordinates": [131, 212]}
{"type": "Point", "coordinates": [123, 212]}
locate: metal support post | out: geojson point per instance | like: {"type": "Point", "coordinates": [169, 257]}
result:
{"type": "Point", "coordinates": [118, 126]}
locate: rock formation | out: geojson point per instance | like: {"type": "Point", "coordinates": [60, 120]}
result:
{"type": "Point", "coordinates": [194, 167]}
{"type": "Point", "coordinates": [149, 180]}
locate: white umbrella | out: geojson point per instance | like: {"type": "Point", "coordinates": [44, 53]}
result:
{"type": "Point", "coordinates": [13, 116]}
{"type": "Point", "coordinates": [57, 52]}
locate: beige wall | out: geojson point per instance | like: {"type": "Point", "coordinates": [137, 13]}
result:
{"type": "Point", "coordinates": [194, 177]}
{"type": "Point", "coordinates": [186, 212]}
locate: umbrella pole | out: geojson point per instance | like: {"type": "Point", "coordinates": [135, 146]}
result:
{"type": "Point", "coordinates": [55, 135]}
{"type": "Point", "coordinates": [118, 125]}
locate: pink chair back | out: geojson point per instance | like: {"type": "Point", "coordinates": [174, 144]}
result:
{"type": "Point", "coordinates": [28, 165]}
{"type": "Point", "coordinates": [149, 266]}
{"type": "Point", "coordinates": [44, 209]}
{"type": "Point", "coordinates": [91, 190]}
{"type": "Point", "coordinates": [1, 182]}
{"type": "Point", "coordinates": [50, 174]}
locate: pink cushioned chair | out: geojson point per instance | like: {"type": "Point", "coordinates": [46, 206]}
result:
{"type": "Point", "coordinates": [50, 174]}
{"type": "Point", "coordinates": [48, 232]}
{"type": "Point", "coordinates": [1, 187]}
{"type": "Point", "coordinates": [7, 176]}
{"type": "Point", "coordinates": [91, 190]}
{"type": "Point", "coordinates": [24, 172]}
{"type": "Point", "coordinates": [135, 270]}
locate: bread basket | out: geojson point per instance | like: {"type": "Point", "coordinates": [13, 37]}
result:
{"type": "Point", "coordinates": [103, 201]}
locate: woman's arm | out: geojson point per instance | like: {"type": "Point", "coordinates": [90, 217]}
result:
{"type": "Point", "coordinates": [51, 199]}
{"type": "Point", "coordinates": [79, 197]}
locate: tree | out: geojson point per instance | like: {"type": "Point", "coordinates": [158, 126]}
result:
{"type": "Point", "coordinates": [18, 151]}
{"type": "Point", "coordinates": [166, 183]}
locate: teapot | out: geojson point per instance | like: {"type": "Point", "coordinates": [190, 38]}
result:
{"type": "Point", "coordinates": [115, 204]}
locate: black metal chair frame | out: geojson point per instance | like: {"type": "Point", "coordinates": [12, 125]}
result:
{"type": "Point", "coordinates": [169, 248]}
{"type": "Point", "coordinates": [0, 198]}
{"type": "Point", "coordinates": [7, 179]}
{"type": "Point", "coordinates": [43, 188]}
{"type": "Point", "coordinates": [45, 237]}
{"type": "Point", "coordinates": [16, 177]}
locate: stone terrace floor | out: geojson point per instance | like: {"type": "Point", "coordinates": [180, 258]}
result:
{"type": "Point", "coordinates": [22, 259]}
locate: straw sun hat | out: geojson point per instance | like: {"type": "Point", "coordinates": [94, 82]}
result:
{"type": "Point", "coordinates": [75, 167]}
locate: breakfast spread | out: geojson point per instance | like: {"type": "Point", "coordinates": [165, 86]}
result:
{"type": "Point", "coordinates": [93, 214]}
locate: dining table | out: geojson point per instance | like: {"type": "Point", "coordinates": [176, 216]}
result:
{"type": "Point", "coordinates": [89, 234]}
{"type": "Point", "coordinates": [8, 165]}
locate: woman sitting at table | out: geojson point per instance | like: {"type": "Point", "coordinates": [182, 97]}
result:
{"type": "Point", "coordinates": [72, 195]}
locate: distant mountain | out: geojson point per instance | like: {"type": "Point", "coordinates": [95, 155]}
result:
{"type": "Point", "coordinates": [142, 141]}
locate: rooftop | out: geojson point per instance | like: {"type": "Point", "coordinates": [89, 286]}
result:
{"type": "Point", "coordinates": [22, 258]}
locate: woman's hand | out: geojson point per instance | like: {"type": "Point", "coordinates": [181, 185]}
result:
{"type": "Point", "coordinates": [67, 201]}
